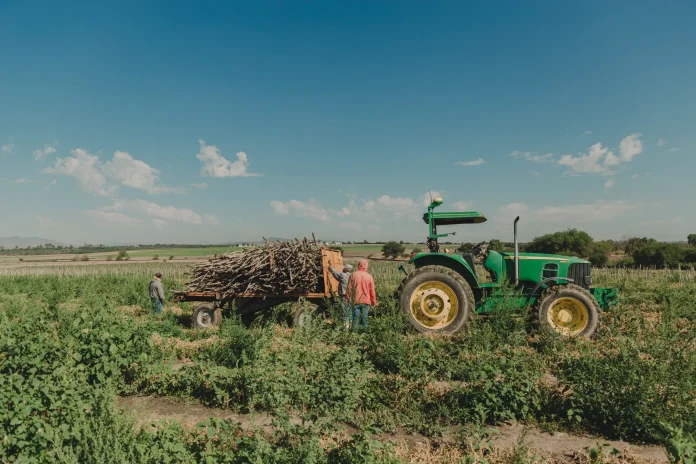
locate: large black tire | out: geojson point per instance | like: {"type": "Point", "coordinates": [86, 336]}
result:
{"type": "Point", "coordinates": [438, 323]}
{"type": "Point", "coordinates": [567, 310]}
{"type": "Point", "coordinates": [305, 312]}
{"type": "Point", "coordinates": [205, 316]}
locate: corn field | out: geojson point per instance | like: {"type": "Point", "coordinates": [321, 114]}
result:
{"type": "Point", "coordinates": [383, 271]}
{"type": "Point", "coordinates": [144, 270]}
{"type": "Point", "coordinates": [73, 336]}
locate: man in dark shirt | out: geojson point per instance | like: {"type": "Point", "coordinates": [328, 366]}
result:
{"type": "Point", "coordinates": [157, 293]}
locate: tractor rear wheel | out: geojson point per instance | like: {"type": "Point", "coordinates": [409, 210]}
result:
{"type": "Point", "coordinates": [436, 299]}
{"type": "Point", "coordinates": [568, 310]}
{"type": "Point", "coordinates": [305, 312]}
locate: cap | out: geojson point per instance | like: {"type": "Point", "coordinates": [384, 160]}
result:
{"type": "Point", "coordinates": [347, 268]}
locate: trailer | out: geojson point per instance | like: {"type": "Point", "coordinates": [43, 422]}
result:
{"type": "Point", "coordinates": [209, 312]}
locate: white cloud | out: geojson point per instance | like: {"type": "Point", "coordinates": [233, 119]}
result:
{"type": "Point", "coordinates": [201, 186]}
{"type": "Point", "coordinates": [462, 205]}
{"type": "Point", "coordinates": [661, 142]}
{"type": "Point", "coordinates": [210, 220]}
{"type": "Point", "coordinates": [310, 209]}
{"type": "Point", "coordinates": [635, 177]}
{"type": "Point", "coordinates": [110, 217]}
{"type": "Point", "coordinates": [630, 147]}
{"type": "Point", "coordinates": [104, 179]}
{"type": "Point", "coordinates": [547, 158]}
{"type": "Point", "coordinates": [598, 159]}
{"type": "Point", "coordinates": [157, 215]}
{"type": "Point", "coordinates": [41, 153]}
{"type": "Point", "coordinates": [7, 149]}
{"type": "Point", "coordinates": [599, 211]}
{"type": "Point", "coordinates": [135, 173]}
{"type": "Point", "coordinates": [588, 132]}
{"type": "Point", "coordinates": [396, 205]}
{"type": "Point", "coordinates": [45, 222]}
{"type": "Point", "coordinates": [163, 212]}
{"type": "Point", "coordinates": [159, 223]}
{"type": "Point", "coordinates": [611, 159]}
{"type": "Point", "coordinates": [215, 165]}
{"type": "Point", "coordinates": [513, 209]}
{"type": "Point", "coordinates": [608, 184]}
{"type": "Point", "coordinates": [477, 162]}
{"type": "Point", "coordinates": [23, 180]}
{"type": "Point", "coordinates": [673, 149]}
{"type": "Point", "coordinates": [86, 169]}
{"type": "Point", "coordinates": [587, 163]}
{"type": "Point", "coordinates": [662, 222]}
{"type": "Point", "coordinates": [369, 210]}
{"type": "Point", "coordinates": [351, 225]}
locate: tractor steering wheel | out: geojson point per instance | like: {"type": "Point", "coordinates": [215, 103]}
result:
{"type": "Point", "coordinates": [477, 250]}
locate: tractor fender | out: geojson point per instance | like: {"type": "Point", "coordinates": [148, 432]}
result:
{"type": "Point", "coordinates": [545, 282]}
{"type": "Point", "coordinates": [454, 262]}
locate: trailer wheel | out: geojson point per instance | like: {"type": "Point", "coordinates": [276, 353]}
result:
{"type": "Point", "coordinates": [205, 316]}
{"type": "Point", "coordinates": [304, 314]}
{"type": "Point", "coordinates": [436, 299]}
{"type": "Point", "coordinates": [568, 310]}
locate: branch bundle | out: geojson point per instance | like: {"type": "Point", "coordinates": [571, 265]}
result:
{"type": "Point", "coordinates": [273, 269]}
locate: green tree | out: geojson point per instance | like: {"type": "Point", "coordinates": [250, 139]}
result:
{"type": "Point", "coordinates": [691, 239]}
{"type": "Point", "coordinates": [496, 245]}
{"type": "Point", "coordinates": [416, 250]}
{"type": "Point", "coordinates": [690, 257]}
{"type": "Point", "coordinates": [659, 255]}
{"type": "Point", "coordinates": [599, 252]}
{"type": "Point", "coordinates": [122, 256]}
{"type": "Point", "coordinates": [393, 249]}
{"type": "Point", "coordinates": [569, 242]}
{"type": "Point", "coordinates": [635, 243]}
{"type": "Point", "coordinates": [465, 247]}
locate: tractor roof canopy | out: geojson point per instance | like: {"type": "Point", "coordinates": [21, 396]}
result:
{"type": "Point", "coordinates": [449, 219]}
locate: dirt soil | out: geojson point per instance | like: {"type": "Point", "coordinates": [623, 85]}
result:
{"type": "Point", "coordinates": [555, 446]}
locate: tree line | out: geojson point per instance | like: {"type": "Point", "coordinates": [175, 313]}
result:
{"type": "Point", "coordinates": [634, 251]}
{"type": "Point", "coordinates": [50, 249]}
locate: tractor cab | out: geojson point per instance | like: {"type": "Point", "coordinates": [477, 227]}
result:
{"type": "Point", "coordinates": [434, 220]}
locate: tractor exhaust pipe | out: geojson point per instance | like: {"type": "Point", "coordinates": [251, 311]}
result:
{"type": "Point", "coordinates": [517, 253]}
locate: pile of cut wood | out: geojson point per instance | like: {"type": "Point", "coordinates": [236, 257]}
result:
{"type": "Point", "coordinates": [275, 268]}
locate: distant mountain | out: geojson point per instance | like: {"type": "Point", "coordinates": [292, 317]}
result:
{"type": "Point", "coordinates": [23, 242]}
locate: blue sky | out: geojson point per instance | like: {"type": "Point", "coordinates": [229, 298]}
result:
{"type": "Point", "coordinates": [218, 121]}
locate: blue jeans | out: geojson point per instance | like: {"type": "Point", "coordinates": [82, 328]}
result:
{"type": "Point", "coordinates": [360, 312]}
{"type": "Point", "coordinates": [347, 313]}
{"type": "Point", "coordinates": [156, 305]}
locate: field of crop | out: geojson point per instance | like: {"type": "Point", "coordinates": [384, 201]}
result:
{"type": "Point", "coordinates": [88, 375]}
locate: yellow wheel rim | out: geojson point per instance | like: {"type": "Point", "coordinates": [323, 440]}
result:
{"type": "Point", "coordinates": [568, 315]}
{"type": "Point", "coordinates": [434, 305]}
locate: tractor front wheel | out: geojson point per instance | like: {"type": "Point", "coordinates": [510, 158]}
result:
{"type": "Point", "coordinates": [568, 310]}
{"type": "Point", "coordinates": [436, 299]}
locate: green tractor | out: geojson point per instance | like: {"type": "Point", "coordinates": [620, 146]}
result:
{"type": "Point", "coordinates": [444, 291]}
